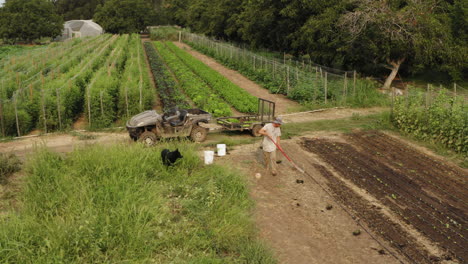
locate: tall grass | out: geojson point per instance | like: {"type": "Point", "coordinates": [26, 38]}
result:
{"type": "Point", "coordinates": [120, 204]}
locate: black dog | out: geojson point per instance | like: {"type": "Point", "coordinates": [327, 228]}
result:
{"type": "Point", "coordinates": [169, 158]}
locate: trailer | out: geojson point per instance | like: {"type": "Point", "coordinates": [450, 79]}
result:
{"type": "Point", "coordinates": [253, 123]}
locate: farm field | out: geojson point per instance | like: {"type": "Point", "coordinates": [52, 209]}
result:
{"type": "Point", "coordinates": [391, 202]}
{"type": "Point", "coordinates": [102, 78]}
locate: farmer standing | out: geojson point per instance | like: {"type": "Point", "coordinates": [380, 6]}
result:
{"type": "Point", "coordinates": [271, 132]}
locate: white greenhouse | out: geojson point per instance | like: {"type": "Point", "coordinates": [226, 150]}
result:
{"type": "Point", "coordinates": [80, 28]}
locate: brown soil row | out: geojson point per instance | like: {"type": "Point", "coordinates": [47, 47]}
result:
{"type": "Point", "coordinates": [404, 184]}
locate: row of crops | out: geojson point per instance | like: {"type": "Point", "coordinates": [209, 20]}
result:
{"type": "Point", "coordinates": [437, 116]}
{"type": "Point", "coordinates": [299, 81]}
{"type": "Point", "coordinates": [48, 89]}
{"type": "Point", "coordinates": [205, 88]}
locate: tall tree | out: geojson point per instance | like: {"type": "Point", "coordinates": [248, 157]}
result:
{"type": "Point", "coordinates": [391, 32]}
{"type": "Point", "coordinates": [28, 20]}
{"type": "Point", "coordinates": [77, 9]}
{"type": "Point", "coordinates": [124, 16]}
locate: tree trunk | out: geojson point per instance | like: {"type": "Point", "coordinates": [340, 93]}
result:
{"type": "Point", "coordinates": [395, 66]}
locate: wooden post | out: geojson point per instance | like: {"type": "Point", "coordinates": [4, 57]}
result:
{"type": "Point", "coordinates": [126, 99]}
{"type": "Point", "coordinates": [30, 92]}
{"type": "Point", "coordinates": [254, 61]}
{"type": "Point", "coordinates": [345, 86]}
{"type": "Point", "coordinates": [58, 108]}
{"type": "Point", "coordinates": [16, 115]}
{"type": "Point", "coordinates": [455, 89]}
{"type": "Point", "coordinates": [43, 103]}
{"type": "Point", "coordinates": [89, 106]}
{"type": "Point", "coordinates": [354, 83]}
{"type": "Point", "coordinates": [1, 118]}
{"type": "Point", "coordinates": [316, 84]}
{"type": "Point", "coordinates": [407, 97]}
{"type": "Point", "coordinates": [427, 95]}
{"type": "Point", "coordinates": [180, 36]}
{"type": "Point", "coordinates": [287, 76]}
{"type": "Point", "coordinates": [326, 86]}
{"type": "Point", "coordinates": [102, 106]}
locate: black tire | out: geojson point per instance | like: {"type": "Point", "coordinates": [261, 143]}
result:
{"type": "Point", "coordinates": [198, 134]}
{"type": "Point", "coordinates": [255, 130]}
{"type": "Point", "coordinates": [148, 138]}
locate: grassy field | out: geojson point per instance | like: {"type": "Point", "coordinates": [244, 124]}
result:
{"type": "Point", "coordinates": [119, 204]}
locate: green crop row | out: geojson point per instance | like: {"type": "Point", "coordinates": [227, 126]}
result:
{"type": "Point", "coordinates": [230, 92]}
{"type": "Point", "coordinates": [169, 90]}
{"type": "Point", "coordinates": [54, 100]}
{"type": "Point", "coordinates": [135, 82]}
{"type": "Point", "coordinates": [441, 119]}
{"type": "Point", "coordinates": [303, 83]}
{"type": "Point", "coordinates": [101, 94]}
{"type": "Point", "coordinates": [193, 85]}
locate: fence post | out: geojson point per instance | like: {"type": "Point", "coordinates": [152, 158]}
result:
{"type": "Point", "coordinates": [1, 118]}
{"type": "Point", "coordinates": [427, 95]}
{"type": "Point", "coordinates": [455, 89]}
{"type": "Point", "coordinates": [287, 76]}
{"type": "Point", "coordinates": [316, 84]}
{"type": "Point", "coordinates": [126, 99]}
{"type": "Point", "coordinates": [43, 103]}
{"type": "Point", "coordinates": [89, 106]}
{"type": "Point", "coordinates": [345, 86]}
{"type": "Point", "coordinates": [58, 108]}
{"type": "Point", "coordinates": [102, 107]}
{"type": "Point", "coordinates": [16, 115]}
{"type": "Point", "coordinates": [326, 86]}
{"type": "Point", "coordinates": [180, 36]}
{"type": "Point", "coordinates": [354, 83]}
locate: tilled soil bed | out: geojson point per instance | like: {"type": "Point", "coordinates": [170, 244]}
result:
{"type": "Point", "coordinates": [423, 192]}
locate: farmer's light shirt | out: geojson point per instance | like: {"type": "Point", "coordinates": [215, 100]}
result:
{"type": "Point", "coordinates": [274, 132]}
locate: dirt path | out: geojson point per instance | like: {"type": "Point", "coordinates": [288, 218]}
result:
{"type": "Point", "coordinates": [420, 224]}
{"type": "Point", "coordinates": [293, 219]}
{"type": "Point", "coordinates": [330, 114]}
{"type": "Point", "coordinates": [283, 104]}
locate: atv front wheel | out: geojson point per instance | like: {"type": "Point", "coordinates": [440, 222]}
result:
{"type": "Point", "coordinates": [198, 134]}
{"type": "Point", "coordinates": [148, 138]}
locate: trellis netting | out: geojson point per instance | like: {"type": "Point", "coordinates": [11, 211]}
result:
{"type": "Point", "coordinates": [87, 80]}
{"type": "Point", "coordinates": [299, 80]}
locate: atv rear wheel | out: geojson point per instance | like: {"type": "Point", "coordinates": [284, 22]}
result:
{"type": "Point", "coordinates": [148, 138]}
{"type": "Point", "coordinates": [198, 134]}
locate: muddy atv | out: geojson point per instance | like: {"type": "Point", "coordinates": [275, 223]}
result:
{"type": "Point", "coordinates": [150, 126]}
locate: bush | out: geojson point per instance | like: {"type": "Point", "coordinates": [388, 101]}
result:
{"type": "Point", "coordinates": [9, 164]}
{"type": "Point", "coordinates": [444, 121]}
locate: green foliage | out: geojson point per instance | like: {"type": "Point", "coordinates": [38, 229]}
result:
{"type": "Point", "coordinates": [444, 120]}
{"type": "Point", "coordinates": [230, 92]}
{"type": "Point", "coordinates": [134, 81]}
{"type": "Point", "coordinates": [77, 9]}
{"type": "Point", "coordinates": [194, 86]}
{"type": "Point", "coordinates": [27, 20]}
{"type": "Point", "coordinates": [165, 33]}
{"type": "Point", "coordinates": [124, 16]}
{"type": "Point", "coordinates": [169, 90]}
{"type": "Point", "coordinates": [121, 204]}
{"type": "Point", "coordinates": [9, 164]}
{"type": "Point", "coordinates": [306, 84]}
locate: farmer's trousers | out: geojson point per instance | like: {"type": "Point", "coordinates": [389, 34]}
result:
{"type": "Point", "coordinates": [270, 161]}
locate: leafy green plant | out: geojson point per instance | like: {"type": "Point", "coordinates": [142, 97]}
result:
{"type": "Point", "coordinates": [443, 119]}
{"type": "Point", "coordinates": [193, 85]}
{"type": "Point", "coordinates": [9, 164]}
{"type": "Point", "coordinates": [168, 88]}
{"type": "Point", "coordinates": [231, 93]}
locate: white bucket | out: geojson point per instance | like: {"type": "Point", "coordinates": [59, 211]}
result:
{"type": "Point", "coordinates": [221, 149]}
{"type": "Point", "coordinates": [209, 156]}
